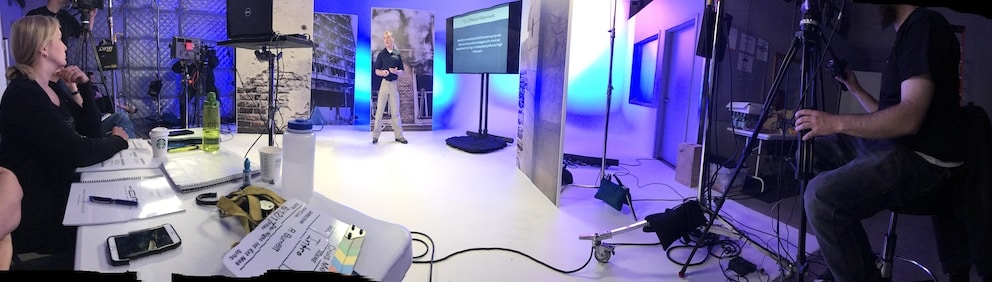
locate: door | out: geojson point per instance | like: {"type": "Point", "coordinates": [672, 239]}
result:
{"type": "Point", "coordinates": [675, 83]}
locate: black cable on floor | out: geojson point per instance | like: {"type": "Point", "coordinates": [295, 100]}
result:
{"type": "Point", "coordinates": [432, 260]}
{"type": "Point", "coordinates": [430, 269]}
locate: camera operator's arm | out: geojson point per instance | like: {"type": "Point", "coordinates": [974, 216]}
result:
{"type": "Point", "coordinates": [902, 119]}
{"type": "Point", "coordinates": [864, 98]}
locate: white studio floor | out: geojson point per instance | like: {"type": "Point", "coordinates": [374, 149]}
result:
{"type": "Point", "coordinates": [464, 200]}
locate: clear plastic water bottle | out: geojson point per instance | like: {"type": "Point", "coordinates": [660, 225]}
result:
{"type": "Point", "coordinates": [299, 146]}
{"type": "Point", "coordinates": [211, 123]}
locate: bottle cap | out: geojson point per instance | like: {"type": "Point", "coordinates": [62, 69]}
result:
{"type": "Point", "coordinates": [300, 124]}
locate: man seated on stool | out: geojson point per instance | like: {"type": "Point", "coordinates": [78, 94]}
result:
{"type": "Point", "coordinates": [111, 117]}
{"type": "Point", "coordinates": [898, 154]}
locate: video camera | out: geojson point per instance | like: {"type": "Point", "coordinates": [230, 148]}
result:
{"type": "Point", "coordinates": [194, 52]}
{"type": "Point", "coordinates": [87, 4]}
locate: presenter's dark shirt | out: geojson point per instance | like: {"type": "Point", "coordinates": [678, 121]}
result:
{"type": "Point", "coordinates": [926, 44]}
{"type": "Point", "coordinates": [69, 25]}
{"type": "Point", "coordinates": [386, 60]}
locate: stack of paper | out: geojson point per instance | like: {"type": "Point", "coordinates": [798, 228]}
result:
{"type": "Point", "coordinates": [137, 155]}
{"type": "Point", "coordinates": [154, 196]}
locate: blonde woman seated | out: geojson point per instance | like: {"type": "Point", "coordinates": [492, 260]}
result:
{"type": "Point", "coordinates": [46, 135]}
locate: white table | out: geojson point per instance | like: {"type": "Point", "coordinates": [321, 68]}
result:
{"type": "Point", "coordinates": [386, 253]}
{"type": "Point", "coordinates": [762, 138]}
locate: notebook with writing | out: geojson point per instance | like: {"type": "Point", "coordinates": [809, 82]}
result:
{"type": "Point", "coordinates": [197, 170]}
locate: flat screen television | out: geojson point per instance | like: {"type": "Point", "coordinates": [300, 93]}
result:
{"type": "Point", "coordinates": [485, 40]}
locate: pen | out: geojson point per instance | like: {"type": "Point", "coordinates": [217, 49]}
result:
{"type": "Point", "coordinates": [184, 149]}
{"type": "Point", "coordinates": [112, 201]}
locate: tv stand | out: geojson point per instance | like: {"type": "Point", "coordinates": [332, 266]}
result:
{"type": "Point", "coordinates": [263, 46]}
{"type": "Point", "coordinates": [480, 141]}
{"type": "Point", "coordinates": [484, 113]}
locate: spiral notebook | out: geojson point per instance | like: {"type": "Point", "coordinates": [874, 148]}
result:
{"type": "Point", "coordinates": [117, 175]}
{"type": "Point", "coordinates": [198, 170]}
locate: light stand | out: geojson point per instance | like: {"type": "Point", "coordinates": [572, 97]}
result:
{"type": "Point", "coordinates": [603, 251]}
{"type": "Point", "coordinates": [113, 42]}
{"type": "Point", "coordinates": [267, 55]}
{"type": "Point", "coordinates": [609, 98]}
{"type": "Point", "coordinates": [263, 51]}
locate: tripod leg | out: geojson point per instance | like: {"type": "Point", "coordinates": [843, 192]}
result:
{"type": "Point", "coordinates": [746, 151]}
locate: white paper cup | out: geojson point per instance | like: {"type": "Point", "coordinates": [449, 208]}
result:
{"type": "Point", "coordinates": [271, 158]}
{"type": "Point", "coordinates": [159, 138]}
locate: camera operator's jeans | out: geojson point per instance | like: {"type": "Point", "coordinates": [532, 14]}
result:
{"type": "Point", "coordinates": [857, 180]}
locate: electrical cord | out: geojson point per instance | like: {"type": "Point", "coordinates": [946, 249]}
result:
{"type": "Point", "coordinates": [432, 261]}
{"type": "Point", "coordinates": [430, 269]}
{"type": "Point", "coordinates": [266, 131]}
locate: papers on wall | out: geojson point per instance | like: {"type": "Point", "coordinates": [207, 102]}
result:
{"type": "Point", "coordinates": [154, 196]}
{"type": "Point", "coordinates": [296, 237]}
{"type": "Point", "coordinates": [137, 155]}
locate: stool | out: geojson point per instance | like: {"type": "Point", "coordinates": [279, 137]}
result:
{"type": "Point", "coordinates": [889, 251]}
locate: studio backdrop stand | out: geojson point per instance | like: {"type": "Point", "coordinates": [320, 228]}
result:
{"type": "Point", "coordinates": [263, 51]}
{"type": "Point", "coordinates": [480, 141]}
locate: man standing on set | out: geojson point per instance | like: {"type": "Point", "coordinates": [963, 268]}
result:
{"type": "Point", "coordinates": [900, 152]}
{"type": "Point", "coordinates": [388, 65]}
{"type": "Point", "coordinates": [68, 23]}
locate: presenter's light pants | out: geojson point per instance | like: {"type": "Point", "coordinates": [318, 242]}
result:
{"type": "Point", "coordinates": [388, 93]}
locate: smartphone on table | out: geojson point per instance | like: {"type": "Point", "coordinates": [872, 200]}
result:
{"type": "Point", "coordinates": [136, 244]}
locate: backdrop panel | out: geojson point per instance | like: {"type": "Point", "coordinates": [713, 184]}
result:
{"type": "Point", "coordinates": [334, 67]}
{"type": "Point", "coordinates": [541, 113]}
{"type": "Point", "coordinates": [413, 37]}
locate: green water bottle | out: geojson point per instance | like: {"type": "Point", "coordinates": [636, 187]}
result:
{"type": "Point", "coordinates": [211, 123]}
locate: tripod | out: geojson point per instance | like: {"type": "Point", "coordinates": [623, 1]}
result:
{"type": "Point", "coordinates": [807, 41]}
{"type": "Point", "coordinates": [86, 47]}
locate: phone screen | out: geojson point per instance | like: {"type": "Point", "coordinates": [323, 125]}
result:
{"type": "Point", "coordinates": [180, 132]}
{"type": "Point", "coordinates": [140, 243]}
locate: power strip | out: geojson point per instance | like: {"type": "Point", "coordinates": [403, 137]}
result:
{"type": "Point", "coordinates": [741, 266]}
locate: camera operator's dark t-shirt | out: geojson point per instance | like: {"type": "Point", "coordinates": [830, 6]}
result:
{"type": "Point", "coordinates": [69, 25]}
{"type": "Point", "coordinates": [926, 44]}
